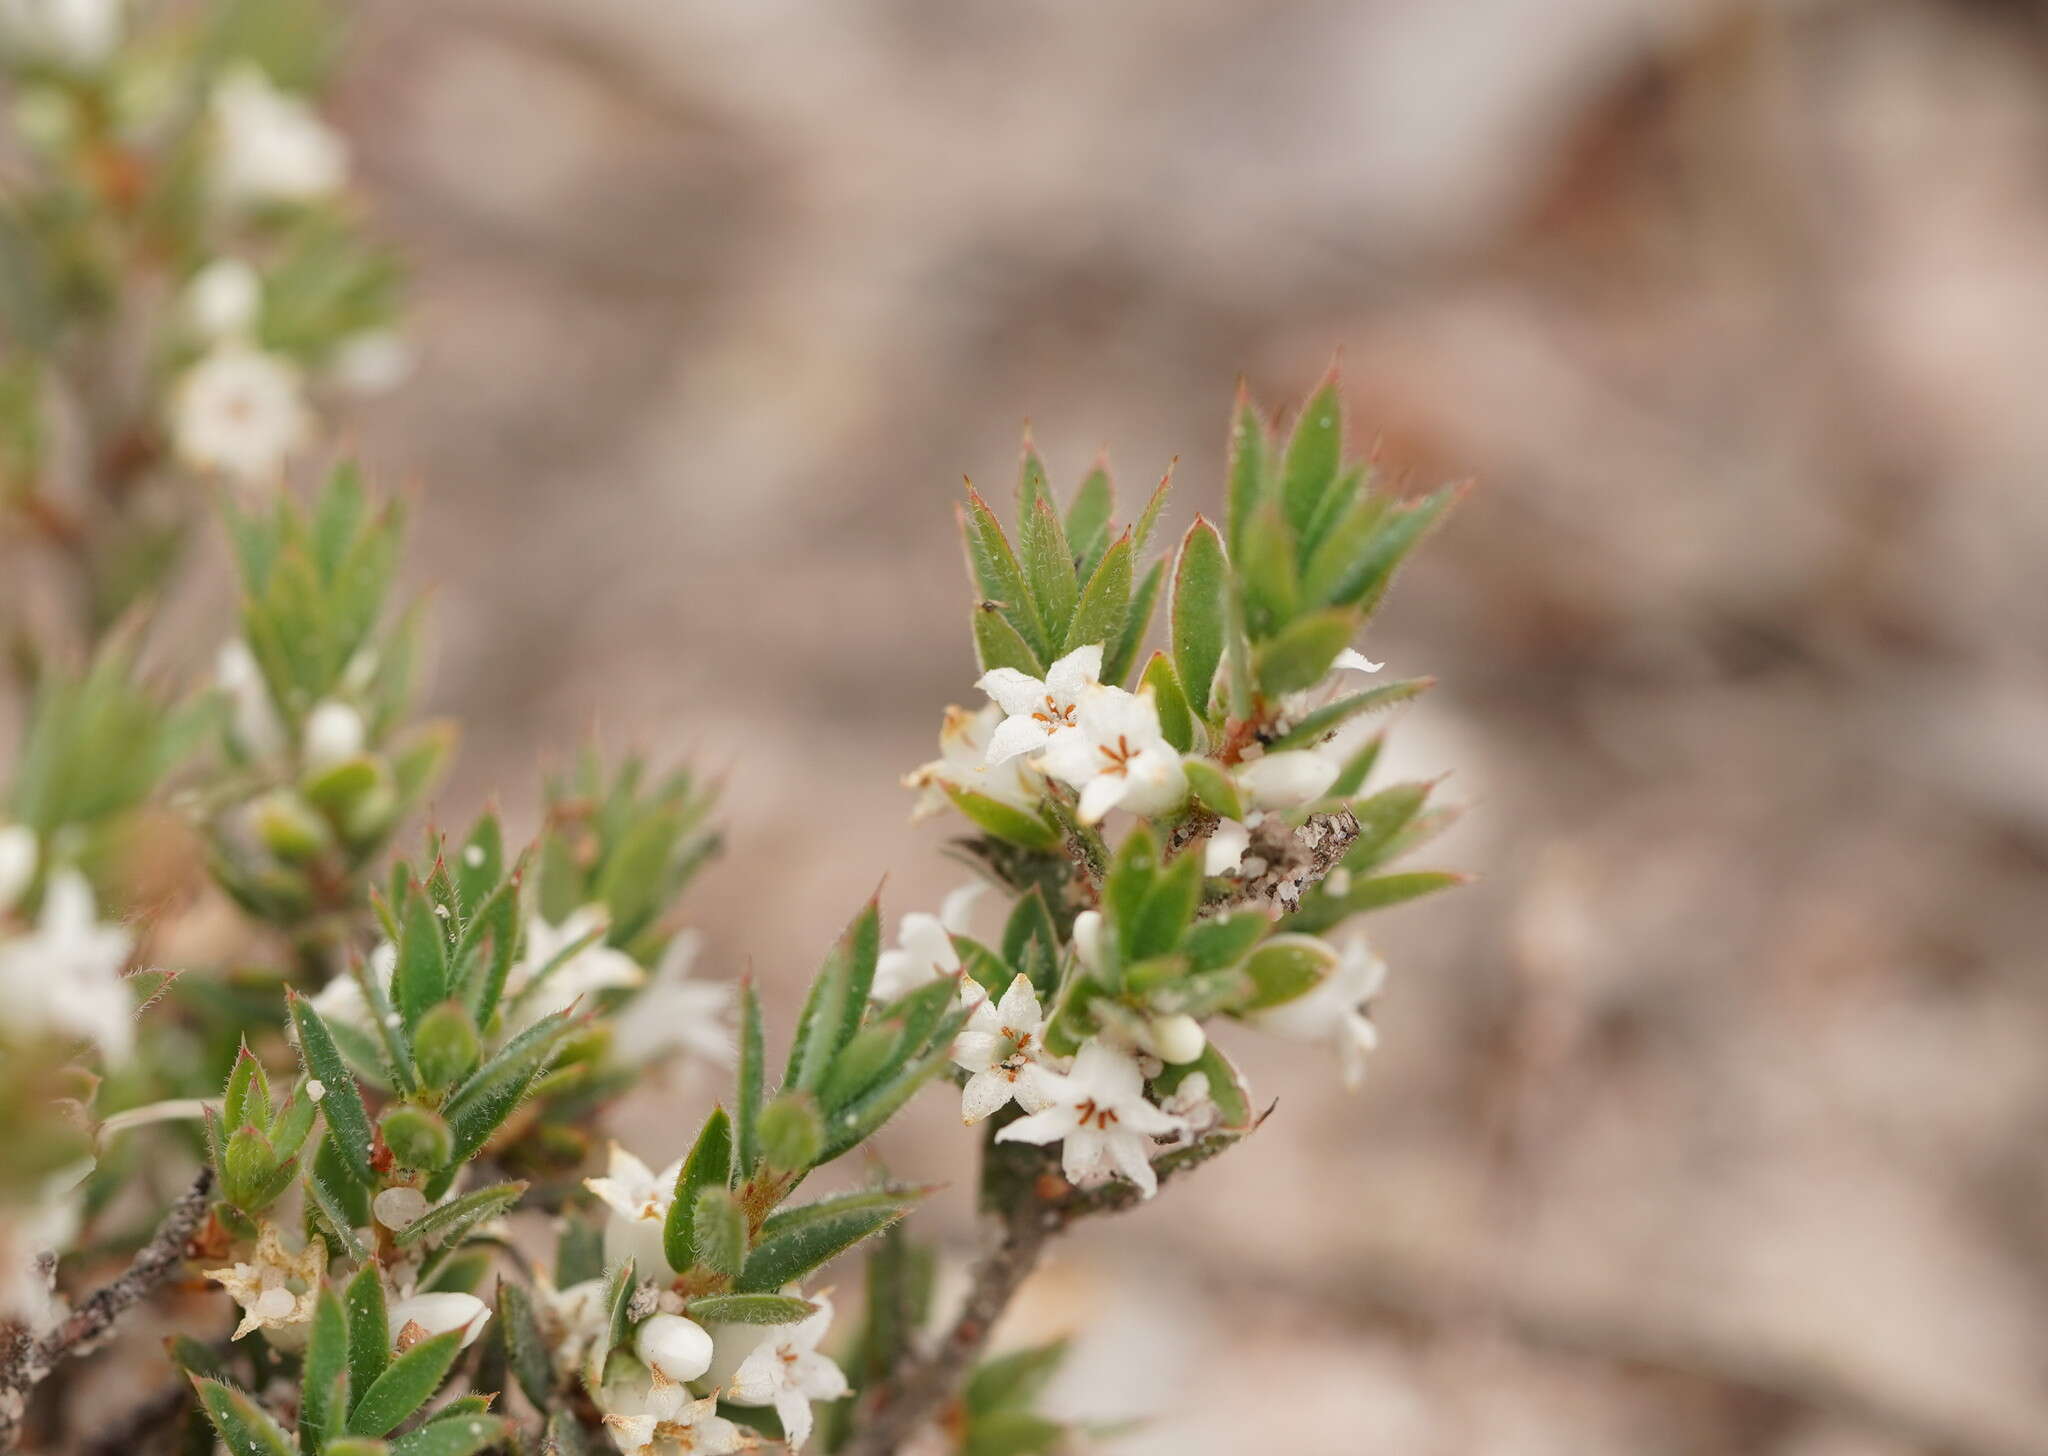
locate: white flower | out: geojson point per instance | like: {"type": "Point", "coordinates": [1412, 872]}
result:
{"type": "Point", "coordinates": [1038, 711]}
{"type": "Point", "coordinates": [1002, 1046]}
{"type": "Point", "coordinates": [677, 1012]}
{"type": "Point", "coordinates": [422, 1316]}
{"type": "Point", "coordinates": [1099, 1112]}
{"type": "Point", "coordinates": [1336, 1011]}
{"type": "Point", "coordinates": [270, 145]}
{"type": "Point", "coordinates": [342, 1000]}
{"type": "Point", "coordinates": [277, 1289]}
{"type": "Point", "coordinates": [65, 977]}
{"type": "Point", "coordinates": [639, 1201]}
{"type": "Point", "coordinates": [17, 863]}
{"type": "Point", "coordinates": [223, 299]}
{"type": "Point", "coordinates": [31, 1235]}
{"type": "Point", "coordinates": [239, 411]}
{"type": "Point", "coordinates": [371, 362]}
{"type": "Point", "coordinates": [673, 1346]}
{"type": "Point", "coordinates": [1287, 779]}
{"type": "Point", "coordinates": [553, 975]}
{"type": "Point", "coordinates": [654, 1416]}
{"type": "Point", "coordinates": [962, 764]}
{"type": "Point", "coordinates": [1225, 848]}
{"type": "Point", "coordinates": [924, 945]}
{"type": "Point", "coordinates": [786, 1371]}
{"type": "Point", "coordinates": [74, 33]}
{"type": "Point", "coordinates": [571, 1320]}
{"type": "Point", "coordinates": [256, 727]}
{"type": "Point", "coordinates": [334, 734]}
{"type": "Point", "coordinates": [1352, 660]}
{"type": "Point", "coordinates": [1116, 756]}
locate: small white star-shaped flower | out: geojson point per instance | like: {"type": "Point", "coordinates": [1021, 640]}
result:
{"type": "Point", "coordinates": [269, 144]}
{"type": "Point", "coordinates": [639, 1200]}
{"type": "Point", "coordinates": [677, 1012]}
{"type": "Point", "coordinates": [786, 1371]}
{"type": "Point", "coordinates": [1099, 1114]}
{"type": "Point", "coordinates": [65, 976]}
{"type": "Point", "coordinates": [1039, 711]}
{"type": "Point", "coordinates": [1116, 756]}
{"type": "Point", "coordinates": [659, 1417]}
{"type": "Point", "coordinates": [924, 945]}
{"type": "Point", "coordinates": [240, 411]}
{"type": "Point", "coordinates": [1002, 1045]}
{"type": "Point", "coordinates": [963, 764]}
{"type": "Point", "coordinates": [1336, 1012]}
{"type": "Point", "coordinates": [562, 964]}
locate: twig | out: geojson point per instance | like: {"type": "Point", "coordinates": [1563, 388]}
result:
{"type": "Point", "coordinates": [29, 1361]}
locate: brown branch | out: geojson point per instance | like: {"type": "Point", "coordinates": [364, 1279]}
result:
{"type": "Point", "coordinates": [29, 1361]}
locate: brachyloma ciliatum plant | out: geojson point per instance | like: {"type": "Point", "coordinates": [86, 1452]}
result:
{"type": "Point", "coordinates": [384, 1095]}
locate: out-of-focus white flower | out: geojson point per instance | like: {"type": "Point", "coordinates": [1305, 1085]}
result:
{"type": "Point", "coordinates": [1224, 851]}
{"type": "Point", "coordinates": [672, 1346]}
{"type": "Point", "coordinates": [335, 733]}
{"type": "Point", "coordinates": [924, 945]}
{"type": "Point", "coordinates": [1002, 1046]}
{"type": "Point", "coordinates": [374, 361]}
{"type": "Point", "coordinates": [31, 1234]}
{"type": "Point", "coordinates": [1039, 711]}
{"type": "Point", "coordinates": [1352, 660]}
{"type": "Point", "coordinates": [18, 855]}
{"type": "Point", "coordinates": [256, 726]}
{"type": "Point", "coordinates": [65, 976]}
{"type": "Point", "coordinates": [786, 1371]}
{"type": "Point", "coordinates": [77, 34]}
{"type": "Point", "coordinates": [277, 1288]}
{"type": "Point", "coordinates": [561, 964]}
{"type": "Point", "coordinates": [223, 299]}
{"type": "Point", "coordinates": [1172, 1037]}
{"type": "Point", "coordinates": [571, 1320]}
{"type": "Point", "coordinates": [1337, 1012]}
{"type": "Point", "coordinates": [962, 764]}
{"type": "Point", "coordinates": [1116, 756]}
{"type": "Point", "coordinates": [241, 412]}
{"type": "Point", "coordinates": [639, 1200]}
{"type": "Point", "coordinates": [677, 1012]}
{"type": "Point", "coordinates": [1286, 779]}
{"type": "Point", "coordinates": [650, 1415]}
{"type": "Point", "coordinates": [1192, 1104]}
{"type": "Point", "coordinates": [1098, 1113]}
{"type": "Point", "coordinates": [270, 146]}
{"type": "Point", "coordinates": [342, 1000]}
{"type": "Point", "coordinates": [422, 1316]}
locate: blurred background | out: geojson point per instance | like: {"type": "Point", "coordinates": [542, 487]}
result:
{"type": "Point", "coordinates": [1711, 1120]}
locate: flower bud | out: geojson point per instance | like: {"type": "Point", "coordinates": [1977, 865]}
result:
{"type": "Point", "coordinates": [223, 299]}
{"type": "Point", "coordinates": [334, 733]}
{"type": "Point", "coordinates": [246, 1164]}
{"type": "Point", "coordinates": [792, 1133]}
{"type": "Point", "coordinates": [1286, 779]}
{"type": "Point", "coordinates": [1176, 1038]}
{"type": "Point", "coordinates": [445, 1045]}
{"type": "Point", "coordinates": [288, 827]}
{"type": "Point", "coordinates": [436, 1314]}
{"type": "Point", "coordinates": [417, 1137]}
{"type": "Point", "coordinates": [678, 1348]}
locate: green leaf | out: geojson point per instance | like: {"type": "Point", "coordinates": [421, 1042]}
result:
{"type": "Point", "coordinates": [1005, 821]}
{"type": "Point", "coordinates": [750, 1076]}
{"type": "Point", "coordinates": [323, 1380]}
{"type": "Point", "coordinates": [801, 1241]}
{"type": "Point", "coordinates": [709, 1165]}
{"type": "Point", "coordinates": [248, 1093]}
{"type": "Point", "coordinates": [1325, 910]}
{"type": "Point", "coordinates": [489, 945]}
{"type": "Point", "coordinates": [1224, 941]}
{"type": "Point", "coordinates": [1249, 447]}
{"type": "Point", "coordinates": [526, 1351]}
{"type": "Point", "coordinates": [1031, 925]}
{"type": "Point", "coordinates": [872, 1051]}
{"type": "Point", "coordinates": [348, 1122]}
{"type": "Point", "coordinates": [1316, 726]}
{"type": "Point", "coordinates": [579, 1252]}
{"type": "Point", "coordinates": [997, 644]}
{"type": "Point", "coordinates": [244, 1426]}
{"type": "Point", "coordinates": [1049, 569]}
{"type": "Point", "coordinates": [447, 1223]}
{"type": "Point", "coordinates": [792, 1132]}
{"type": "Point", "coordinates": [481, 1105]}
{"type": "Point", "coordinates": [1364, 578]}
{"type": "Point", "coordinates": [1015, 1379]}
{"type": "Point", "coordinates": [1214, 787]}
{"type": "Point", "coordinates": [1357, 768]}
{"type": "Point", "coordinates": [750, 1309]}
{"type": "Point", "coordinates": [1015, 1433]}
{"type": "Point", "coordinates": [333, 1221]}
{"type": "Point", "coordinates": [1264, 568]}
{"type": "Point", "coordinates": [1287, 967]}
{"type": "Point", "coordinates": [1120, 655]}
{"type": "Point", "coordinates": [718, 1231]}
{"type": "Point", "coordinates": [1100, 615]}
{"type": "Point", "coordinates": [836, 1001]}
{"type": "Point", "coordinates": [407, 1383]}
{"type": "Point", "coordinates": [1201, 585]}
{"type": "Point", "coordinates": [1303, 651]}
{"type": "Point", "coordinates": [858, 1120]}
{"type": "Point", "coordinates": [1176, 721]}
{"type": "Point", "coordinates": [1313, 454]}
{"type": "Point", "coordinates": [481, 864]}
{"type": "Point", "coordinates": [618, 1303]}
{"type": "Point", "coordinates": [369, 1328]}
{"type": "Point", "coordinates": [1088, 519]}
{"type": "Point", "coordinates": [1380, 818]}
{"type": "Point", "coordinates": [462, 1434]}
{"type": "Point", "coordinates": [1000, 580]}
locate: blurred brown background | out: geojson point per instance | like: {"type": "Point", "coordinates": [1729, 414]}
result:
{"type": "Point", "coordinates": [1712, 1120]}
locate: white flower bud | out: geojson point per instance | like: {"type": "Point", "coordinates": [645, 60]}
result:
{"type": "Point", "coordinates": [223, 298]}
{"type": "Point", "coordinates": [17, 863]}
{"type": "Point", "coordinates": [678, 1348]}
{"type": "Point", "coordinates": [334, 734]}
{"type": "Point", "coordinates": [398, 1208]}
{"type": "Point", "coordinates": [1177, 1038]}
{"type": "Point", "coordinates": [439, 1313]}
{"type": "Point", "coordinates": [1088, 938]}
{"type": "Point", "coordinates": [255, 719]}
{"type": "Point", "coordinates": [371, 362]}
{"type": "Point", "coordinates": [1286, 779]}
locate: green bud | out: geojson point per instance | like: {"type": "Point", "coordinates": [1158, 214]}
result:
{"type": "Point", "coordinates": [719, 1231]}
{"type": "Point", "coordinates": [445, 1045]}
{"type": "Point", "coordinates": [289, 828]}
{"type": "Point", "coordinates": [417, 1137]}
{"type": "Point", "coordinates": [1287, 967]}
{"type": "Point", "coordinates": [246, 1164]}
{"type": "Point", "coordinates": [791, 1132]}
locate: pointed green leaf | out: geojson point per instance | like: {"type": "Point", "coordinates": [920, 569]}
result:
{"type": "Point", "coordinates": [348, 1122]}
{"type": "Point", "coordinates": [1380, 818]}
{"type": "Point", "coordinates": [245, 1428]}
{"type": "Point", "coordinates": [1248, 465]}
{"type": "Point", "coordinates": [1313, 454]}
{"type": "Point", "coordinates": [1216, 944]}
{"type": "Point", "coordinates": [526, 1351]}
{"type": "Point", "coordinates": [1264, 569]}
{"type": "Point", "coordinates": [1015, 1379]}
{"type": "Point", "coordinates": [709, 1165]}
{"type": "Point", "coordinates": [458, 1434]}
{"type": "Point", "coordinates": [407, 1383]}
{"type": "Point", "coordinates": [798, 1242]}
{"type": "Point", "coordinates": [1100, 616]}
{"type": "Point", "coordinates": [447, 1223]}
{"type": "Point", "coordinates": [1176, 719]}
{"type": "Point", "coordinates": [998, 576]}
{"type": "Point", "coordinates": [1214, 787]}
{"type": "Point", "coordinates": [751, 1075]}
{"type": "Point", "coordinates": [998, 644]}
{"type": "Point", "coordinates": [1201, 583]}
{"type": "Point", "coordinates": [1049, 569]}
{"type": "Point", "coordinates": [1315, 726]}
{"type": "Point", "coordinates": [1302, 652]}
{"type": "Point", "coordinates": [836, 1001]}
{"type": "Point", "coordinates": [1005, 821]}
{"type": "Point", "coordinates": [1088, 519]}
{"type": "Point", "coordinates": [420, 978]}
{"type": "Point", "coordinates": [750, 1309]}
{"type": "Point", "coordinates": [481, 1105]}
{"type": "Point", "coordinates": [325, 1369]}
{"type": "Point", "coordinates": [1363, 580]}
{"type": "Point", "coordinates": [1168, 908]}
{"type": "Point", "coordinates": [369, 1328]}
{"type": "Point", "coordinates": [1121, 653]}
{"type": "Point", "coordinates": [1323, 911]}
